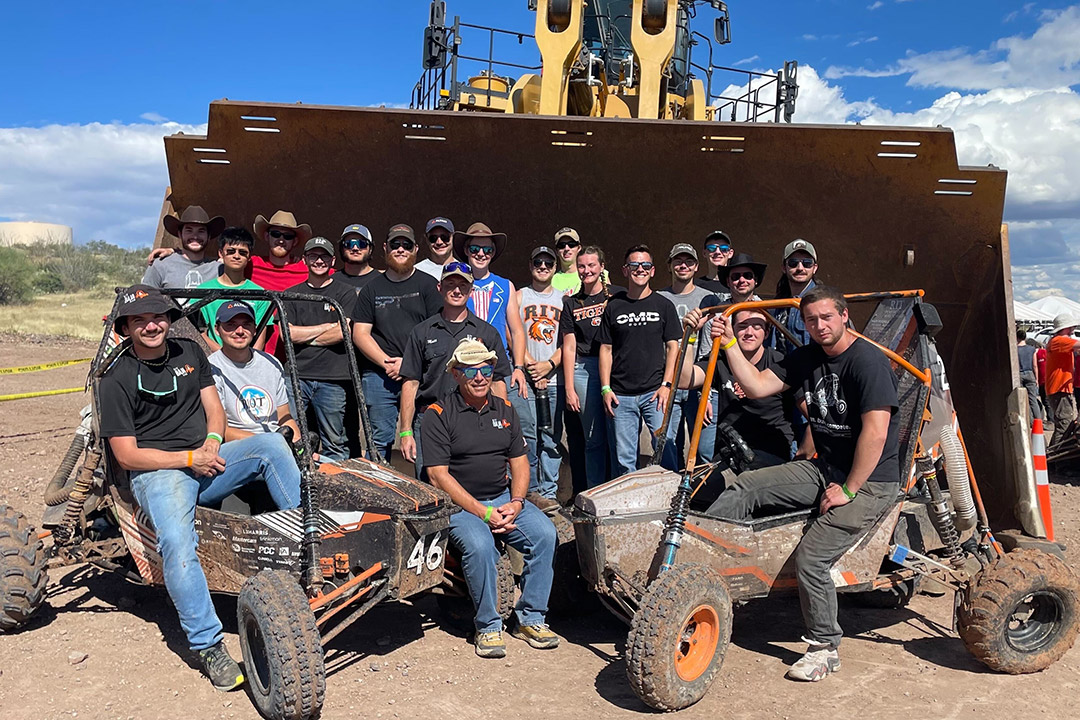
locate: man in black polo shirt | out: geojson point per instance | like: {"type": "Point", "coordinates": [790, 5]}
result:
{"type": "Point", "coordinates": [469, 438]}
{"type": "Point", "coordinates": [430, 344]}
{"type": "Point", "coordinates": [850, 391]}
{"type": "Point", "coordinates": [160, 411]}
{"type": "Point", "coordinates": [322, 360]}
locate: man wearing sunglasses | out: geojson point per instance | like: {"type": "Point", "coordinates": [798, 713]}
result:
{"type": "Point", "coordinates": [235, 246]}
{"type": "Point", "coordinates": [164, 422]}
{"type": "Point", "coordinates": [470, 439]}
{"type": "Point", "coordinates": [355, 248]}
{"type": "Point", "coordinates": [639, 344]}
{"type": "Point", "coordinates": [743, 278]}
{"type": "Point", "coordinates": [440, 236]}
{"type": "Point", "coordinates": [322, 361]}
{"type": "Point", "coordinates": [800, 267]}
{"type": "Point", "coordinates": [282, 234]}
{"type": "Point", "coordinates": [430, 344]}
{"type": "Point", "coordinates": [568, 245]}
{"type": "Point", "coordinates": [386, 311]}
{"type": "Point", "coordinates": [718, 251]}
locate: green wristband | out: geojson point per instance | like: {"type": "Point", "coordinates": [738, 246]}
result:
{"type": "Point", "coordinates": [405, 433]}
{"type": "Point", "coordinates": [215, 436]}
{"type": "Point", "coordinates": [605, 389]}
{"type": "Point", "coordinates": [850, 495]}
{"type": "Point", "coordinates": [487, 513]}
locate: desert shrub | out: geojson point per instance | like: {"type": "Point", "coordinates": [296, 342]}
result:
{"type": "Point", "coordinates": [16, 277]}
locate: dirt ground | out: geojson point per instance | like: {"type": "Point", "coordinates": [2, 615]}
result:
{"type": "Point", "coordinates": [104, 648]}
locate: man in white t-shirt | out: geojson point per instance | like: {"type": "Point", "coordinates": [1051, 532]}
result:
{"type": "Point", "coordinates": [440, 233]}
{"type": "Point", "coordinates": [251, 383]}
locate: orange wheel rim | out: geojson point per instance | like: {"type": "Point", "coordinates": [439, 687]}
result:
{"type": "Point", "coordinates": [696, 644]}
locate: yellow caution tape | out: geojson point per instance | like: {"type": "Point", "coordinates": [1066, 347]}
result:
{"type": "Point", "coordinates": [46, 366]}
{"type": "Point", "coordinates": [40, 393]}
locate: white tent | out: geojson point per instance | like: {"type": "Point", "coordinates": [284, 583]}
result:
{"type": "Point", "coordinates": [1055, 305]}
{"type": "Point", "coordinates": [1028, 314]}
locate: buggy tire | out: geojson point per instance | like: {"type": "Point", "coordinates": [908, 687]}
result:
{"type": "Point", "coordinates": [283, 655]}
{"type": "Point", "coordinates": [1022, 613]}
{"type": "Point", "coordinates": [23, 574]}
{"type": "Point", "coordinates": [678, 637]}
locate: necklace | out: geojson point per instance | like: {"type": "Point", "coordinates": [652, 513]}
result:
{"type": "Point", "coordinates": [157, 363]}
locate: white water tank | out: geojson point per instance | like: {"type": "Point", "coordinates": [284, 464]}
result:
{"type": "Point", "coordinates": [34, 233]}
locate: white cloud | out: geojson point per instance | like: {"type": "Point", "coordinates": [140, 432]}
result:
{"type": "Point", "coordinates": [746, 61]}
{"type": "Point", "coordinates": [875, 5]}
{"type": "Point", "coordinates": [106, 181]}
{"type": "Point", "coordinates": [862, 41]}
{"type": "Point", "coordinates": [154, 117]}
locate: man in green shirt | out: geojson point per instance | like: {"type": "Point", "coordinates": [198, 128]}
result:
{"type": "Point", "coordinates": [234, 248]}
{"type": "Point", "coordinates": [568, 245]}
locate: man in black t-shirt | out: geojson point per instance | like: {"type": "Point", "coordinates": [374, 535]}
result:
{"type": "Point", "coordinates": [470, 436]}
{"type": "Point", "coordinates": [430, 344]}
{"type": "Point", "coordinates": [851, 396]}
{"type": "Point", "coordinates": [386, 312]}
{"type": "Point", "coordinates": [355, 248]}
{"type": "Point", "coordinates": [322, 360]}
{"type": "Point", "coordinates": [161, 414]}
{"type": "Point", "coordinates": [639, 344]}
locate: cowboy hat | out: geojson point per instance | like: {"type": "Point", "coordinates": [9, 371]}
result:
{"type": "Point", "coordinates": [1064, 320]}
{"type": "Point", "coordinates": [478, 230]}
{"type": "Point", "coordinates": [470, 352]}
{"type": "Point", "coordinates": [193, 215]}
{"type": "Point", "coordinates": [283, 219]}
{"type": "Point", "coordinates": [746, 260]}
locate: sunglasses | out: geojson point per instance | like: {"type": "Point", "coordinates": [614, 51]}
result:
{"type": "Point", "coordinates": [687, 261]}
{"type": "Point", "coordinates": [481, 249]}
{"type": "Point", "coordinates": [277, 235]}
{"type": "Point", "coordinates": [538, 263]}
{"type": "Point", "coordinates": [748, 275]}
{"type": "Point", "coordinates": [355, 244]}
{"type": "Point", "coordinates": [401, 243]}
{"type": "Point", "coordinates": [439, 238]}
{"type": "Point", "coordinates": [563, 244]}
{"type": "Point", "coordinates": [714, 247]}
{"type": "Point", "coordinates": [242, 252]}
{"type": "Point", "coordinates": [318, 257]}
{"type": "Point", "coordinates": [805, 262]}
{"type": "Point", "coordinates": [642, 265]}
{"type": "Point", "coordinates": [457, 267]}
{"type": "Point", "coordinates": [470, 372]}
{"type": "Point", "coordinates": [156, 393]}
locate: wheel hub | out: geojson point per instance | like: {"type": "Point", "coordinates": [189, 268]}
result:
{"type": "Point", "coordinates": [1034, 621]}
{"type": "Point", "coordinates": [696, 645]}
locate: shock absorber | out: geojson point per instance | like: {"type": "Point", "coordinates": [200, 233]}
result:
{"type": "Point", "coordinates": [675, 523]}
{"type": "Point", "coordinates": [79, 494]}
{"type": "Point", "coordinates": [309, 503]}
{"type": "Point", "coordinates": [940, 516]}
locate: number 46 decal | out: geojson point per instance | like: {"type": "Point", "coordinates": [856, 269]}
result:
{"type": "Point", "coordinates": [432, 557]}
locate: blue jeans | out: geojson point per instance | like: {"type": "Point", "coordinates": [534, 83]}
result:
{"type": "Point", "coordinates": [535, 538]}
{"type": "Point", "coordinates": [625, 428]}
{"type": "Point", "coordinates": [544, 457]}
{"type": "Point", "coordinates": [685, 409]}
{"type": "Point", "coordinates": [328, 400]}
{"type": "Point", "coordinates": [381, 395]}
{"type": "Point", "coordinates": [169, 498]}
{"type": "Point", "coordinates": [594, 423]}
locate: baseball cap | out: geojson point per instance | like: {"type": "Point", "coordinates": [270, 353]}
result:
{"type": "Point", "coordinates": [356, 229]}
{"type": "Point", "coordinates": [567, 232]}
{"type": "Point", "coordinates": [401, 230]}
{"type": "Point", "coordinates": [319, 243]}
{"type": "Point", "coordinates": [144, 299]}
{"type": "Point", "coordinates": [470, 352]}
{"type": "Point", "coordinates": [228, 310]}
{"type": "Point", "coordinates": [682, 249]}
{"type": "Point", "coordinates": [457, 268]}
{"type": "Point", "coordinates": [799, 244]}
{"type": "Point", "coordinates": [543, 250]}
{"type": "Point", "coordinates": [718, 235]}
{"type": "Point", "coordinates": [439, 222]}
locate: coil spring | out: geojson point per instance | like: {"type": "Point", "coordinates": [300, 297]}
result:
{"type": "Point", "coordinates": [941, 519]}
{"type": "Point", "coordinates": [79, 494]}
{"type": "Point", "coordinates": [309, 505]}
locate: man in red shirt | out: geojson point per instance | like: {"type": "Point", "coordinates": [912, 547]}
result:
{"type": "Point", "coordinates": [280, 269]}
{"type": "Point", "coordinates": [1060, 361]}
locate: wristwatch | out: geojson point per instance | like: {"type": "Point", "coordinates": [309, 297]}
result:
{"type": "Point", "coordinates": [665, 384]}
{"type": "Point", "coordinates": [520, 367]}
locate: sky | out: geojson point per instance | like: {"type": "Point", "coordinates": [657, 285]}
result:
{"type": "Point", "coordinates": [88, 91]}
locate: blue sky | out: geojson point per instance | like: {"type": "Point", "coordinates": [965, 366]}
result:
{"type": "Point", "coordinates": [87, 91]}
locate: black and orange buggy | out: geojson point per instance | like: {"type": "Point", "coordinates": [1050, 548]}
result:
{"type": "Point", "coordinates": [673, 573]}
{"type": "Point", "coordinates": [364, 533]}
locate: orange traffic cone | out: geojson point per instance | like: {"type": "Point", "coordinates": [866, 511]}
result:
{"type": "Point", "coordinates": [1042, 478]}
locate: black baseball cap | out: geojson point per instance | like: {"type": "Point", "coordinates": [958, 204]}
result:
{"type": "Point", "coordinates": [228, 310]}
{"type": "Point", "coordinates": [439, 222]}
{"type": "Point", "coordinates": [144, 299]}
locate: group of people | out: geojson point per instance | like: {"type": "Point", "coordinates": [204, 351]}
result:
{"type": "Point", "coordinates": [1050, 374]}
{"type": "Point", "coordinates": [477, 380]}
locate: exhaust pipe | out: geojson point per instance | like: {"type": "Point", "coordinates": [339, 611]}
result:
{"type": "Point", "coordinates": [959, 482]}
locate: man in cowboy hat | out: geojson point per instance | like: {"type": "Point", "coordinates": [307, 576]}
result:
{"type": "Point", "coordinates": [279, 270]}
{"type": "Point", "coordinates": [493, 297]}
{"type": "Point", "coordinates": [163, 419]}
{"type": "Point", "coordinates": [471, 437]}
{"type": "Point", "coordinates": [192, 265]}
{"type": "Point", "coordinates": [1060, 352]}
{"type": "Point", "coordinates": [440, 232]}
{"type": "Point", "coordinates": [742, 278]}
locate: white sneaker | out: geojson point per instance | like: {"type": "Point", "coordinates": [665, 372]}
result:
{"type": "Point", "coordinates": [819, 661]}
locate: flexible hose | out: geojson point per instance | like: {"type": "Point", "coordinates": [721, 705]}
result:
{"type": "Point", "coordinates": [55, 492]}
{"type": "Point", "coordinates": [959, 482]}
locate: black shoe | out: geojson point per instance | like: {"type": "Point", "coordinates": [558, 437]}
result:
{"type": "Point", "coordinates": [222, 670]}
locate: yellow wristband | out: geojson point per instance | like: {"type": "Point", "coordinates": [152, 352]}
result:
{"type": "Point", "coordinates": [730, 344]}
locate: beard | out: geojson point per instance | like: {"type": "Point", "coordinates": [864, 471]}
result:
{"type": "Point", "coordinates": [402, 267]}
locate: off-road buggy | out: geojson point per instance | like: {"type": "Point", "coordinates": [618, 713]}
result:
{"type": "Point", "coordinates": [363, 533]}
{"type": "Point", "coordinates": [673, 573]}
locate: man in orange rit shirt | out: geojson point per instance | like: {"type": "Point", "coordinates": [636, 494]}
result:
{"type": "Point", "coordinates": [1059, 374]}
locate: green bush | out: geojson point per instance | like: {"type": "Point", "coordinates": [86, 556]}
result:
{"type": "Point", "coordinates": [16, 277]}
{"type": "Point", "coordinates": [75, 268]}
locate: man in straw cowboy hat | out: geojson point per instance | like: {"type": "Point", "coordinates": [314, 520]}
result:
{"type": "Point", "coordinates": [192, 265]}
{"type": "Point", "coordinates": [470, 436]}
{"type": "Point", "coordinates": [1060, 359]}
{"type": "Point", "coordinates": [280, 270]}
